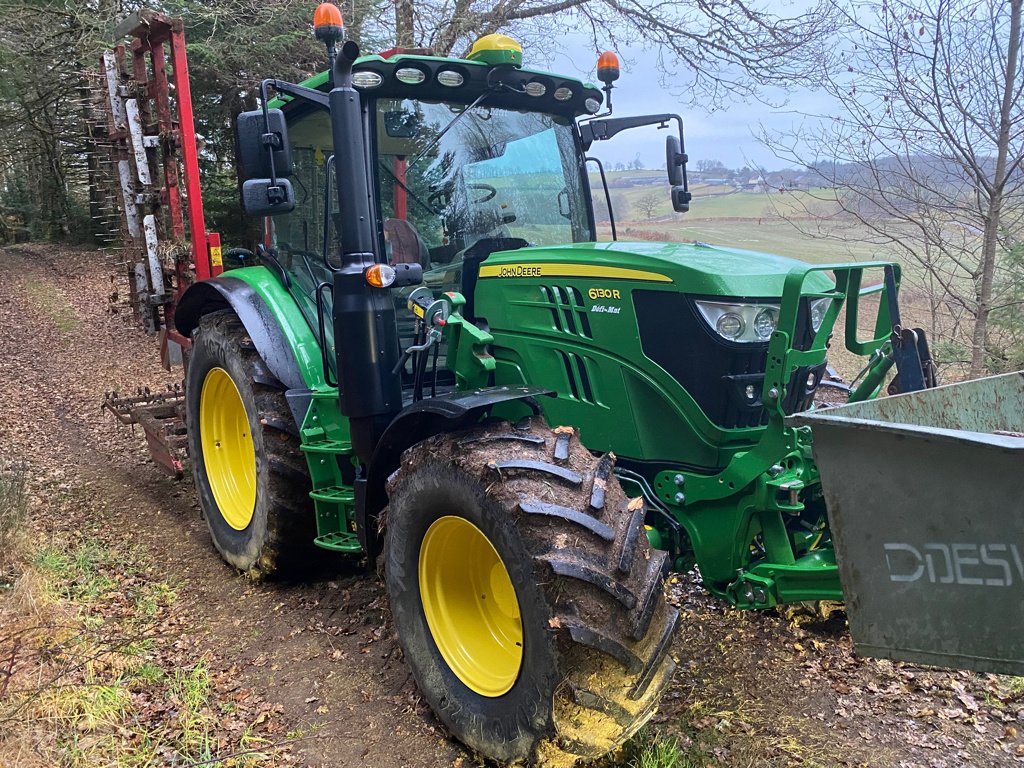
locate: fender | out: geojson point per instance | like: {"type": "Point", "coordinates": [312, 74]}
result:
{"type": "Point", "coordinates": [415, 423]}
{"type": "Point", "coordinates": [273, 321]}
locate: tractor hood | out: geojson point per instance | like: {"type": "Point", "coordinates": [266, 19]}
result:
{"type": "Point", "coordinates": [697, 268]}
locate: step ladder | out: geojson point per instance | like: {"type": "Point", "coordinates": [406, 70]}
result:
{"type": "Point", "coordinates": [325, 444]}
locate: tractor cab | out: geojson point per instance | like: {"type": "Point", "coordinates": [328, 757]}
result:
{"type": "Point", "coordinates": [464, 158]}
{"type": "Point", "coordinates": [446, 175]}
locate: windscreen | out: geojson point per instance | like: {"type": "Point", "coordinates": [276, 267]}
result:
{"type": "Point", "coordinates": [450, 175]}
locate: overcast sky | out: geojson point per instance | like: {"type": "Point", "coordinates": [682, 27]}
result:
{"type": "Point", "coordinates": [726, 135]}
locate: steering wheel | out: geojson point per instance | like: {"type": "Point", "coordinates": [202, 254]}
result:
{"type": "Point", "coordinates": [437, 202]}
{"type": "Point", "coordinates": [489, 192]}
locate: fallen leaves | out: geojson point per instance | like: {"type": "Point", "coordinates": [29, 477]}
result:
{"type": "Point", "coordinates": [805, 694]}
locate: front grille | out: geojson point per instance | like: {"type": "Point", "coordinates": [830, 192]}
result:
{"type": "Point", "coordinates": [716, 372]}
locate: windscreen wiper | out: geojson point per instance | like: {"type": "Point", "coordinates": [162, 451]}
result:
{"type": "Point", "coordinates": [447, 128]}
{"type": "Point", "coordinates": [413, 195]}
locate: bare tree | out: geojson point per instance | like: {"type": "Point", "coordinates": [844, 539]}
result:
{"type": "Point", "coordinates": [649, 202]}
{"type": "Point", "coordinates": [724, 48]}
{"type": "Point", "coordinates": [710, 165]}
{"type": "Point", "coordinates": [925, 154]}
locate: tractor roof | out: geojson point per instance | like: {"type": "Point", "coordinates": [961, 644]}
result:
{"type": "Point", "coordinates": [407, 75]}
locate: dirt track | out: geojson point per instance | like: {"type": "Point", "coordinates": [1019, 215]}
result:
{"type": "Point", "coordinates": [751, 690]}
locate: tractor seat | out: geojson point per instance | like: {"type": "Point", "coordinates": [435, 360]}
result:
{"type": "Point", "coordinates": [407, 247]}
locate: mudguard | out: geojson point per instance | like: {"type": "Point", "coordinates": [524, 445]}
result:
{"type": "Point", "coordinates": [274, 323]}
{"type": "Point", "coordinates": [417, 422]}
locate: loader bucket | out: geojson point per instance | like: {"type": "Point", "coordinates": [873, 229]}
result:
{"type": "Point", "coordinates": [925, 495]}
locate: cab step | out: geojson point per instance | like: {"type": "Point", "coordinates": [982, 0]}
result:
{"type": "Point", "coordinates": [335, 494]}
{"type": "Point", "coordinates": [339, 542]}
{"type": "Point", "coordinates": [328, 446]}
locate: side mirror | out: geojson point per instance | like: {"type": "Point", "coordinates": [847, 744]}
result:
{"type": "Point", "coordinates": [680, 199]}
{"type": "Point", "coordinates": [674, 161]}
{"type": "Point", "coordinates": [262, 197]}
{"type": "Point", "coordinates": [256, 143]}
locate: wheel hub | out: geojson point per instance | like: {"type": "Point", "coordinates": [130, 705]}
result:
{"type": "Point", "coordinates": [228, 451]}
{"type": "Point", "coordinates": [470, 606]}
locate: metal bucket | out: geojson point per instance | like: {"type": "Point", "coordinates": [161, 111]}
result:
{"type": "Point", "coordinates": [925, 495]}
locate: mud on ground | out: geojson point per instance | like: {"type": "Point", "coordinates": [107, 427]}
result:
{"type": "Point", "coordinates": [310, 673]}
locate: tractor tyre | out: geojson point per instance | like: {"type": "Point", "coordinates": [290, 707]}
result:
{"type": "Point", "coordinates": [250, 476]}
{"type": "Point", "coordinates": [527, 599]}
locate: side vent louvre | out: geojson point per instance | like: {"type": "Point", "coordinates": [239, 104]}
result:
{"type": "Point", "coordinates": [577, 374]}
{"type": "Point", "coordinates": [556, 319]}
{"type": "Point", "coordinates": [568, 312]}
{"type": "Point", "coordinates": [577, 299]}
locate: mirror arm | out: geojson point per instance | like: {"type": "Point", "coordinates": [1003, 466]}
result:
{"type": "Point", "coordinates": [296, 91]}
{"type": "Point", "coordinates": [607, 195]}
{"type": "Point", "coordinates": [270, 140]}
{"type": "Point", "coordinates": [602, 130]}
{"type": "Point", "coordinates": [275, 194]}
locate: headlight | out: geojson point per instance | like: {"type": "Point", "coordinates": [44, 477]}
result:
{"type": "Point", "coordinates": [818, 309]}
{"type": "Point", "coordinates": [765, 322]}
{"type": "Point", "coordinates": [741, 322]}
{"type": "Point", "coordinates": [366, 79]}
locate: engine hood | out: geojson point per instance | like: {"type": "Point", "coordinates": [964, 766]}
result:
{"type": "Point", "coordinates": [694, 268]}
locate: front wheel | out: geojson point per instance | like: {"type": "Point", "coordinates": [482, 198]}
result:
{"type": "Point", "coordinates": [527, 599]}
{"type": "Point", "coordinates": [250, 475]}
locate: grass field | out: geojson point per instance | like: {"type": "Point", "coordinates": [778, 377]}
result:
{"type": "Point", "coordinates": [767, 234]}
{"type": "Point", "coordinates": [772, 222]}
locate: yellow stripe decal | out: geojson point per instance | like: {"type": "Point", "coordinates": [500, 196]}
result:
{"type": "Point", "coordinates": [570, 270]}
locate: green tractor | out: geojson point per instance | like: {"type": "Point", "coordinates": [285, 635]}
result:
{"type": "Point", "coordinates": [434, 362]}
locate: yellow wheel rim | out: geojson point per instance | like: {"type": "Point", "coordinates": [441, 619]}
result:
{"type": "Point", "coordinates": [228, 451]}
{"type": "Point", "coordinates": [471, 606]}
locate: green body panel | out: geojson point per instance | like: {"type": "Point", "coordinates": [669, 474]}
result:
{"type": "Point", "coordinates": [635, 407]}
{"type": "Point", "coordinates": [324, 432]}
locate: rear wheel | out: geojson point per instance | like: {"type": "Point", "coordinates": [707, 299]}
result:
{"type": "Point", "coordinates": [527, 599]}
{"type": "Point", "coordinates": [250, 475]}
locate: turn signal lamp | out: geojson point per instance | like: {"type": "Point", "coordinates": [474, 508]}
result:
{"type": "Point", "coordinates": [380, 275]}
{"type": "Point", "coordinates": [497, 49]}
{"type": "Point", "coordinates": [607, 67]}
{"type": "Point", "coordinates": [327, 22]}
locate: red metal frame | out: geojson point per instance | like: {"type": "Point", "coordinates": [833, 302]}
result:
{"type": "Point", "coordinates": [400, 166]}
{"type": "Point", "coordinates": [190, 153]}
{"type": "Point", "coordinates": [153, 71]}
{"type": "Point", "coordinates": [153, 34]}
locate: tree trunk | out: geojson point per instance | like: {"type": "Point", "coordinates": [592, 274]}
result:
{"type": "Point", "coordinates": [405, 35]}
{"type": "Point", "coordinates": [990, 243]}
{"type": "Point", "coordinates": [97, 210]}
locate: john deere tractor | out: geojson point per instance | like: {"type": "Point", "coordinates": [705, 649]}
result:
{"type": "Point", "coordinates": [432, 361]}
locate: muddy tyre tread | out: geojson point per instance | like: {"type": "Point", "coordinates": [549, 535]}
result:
{"type": "Point", "coordinates": [285, 544]}
{"type": "Point", "coordinates": [611, 623]}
